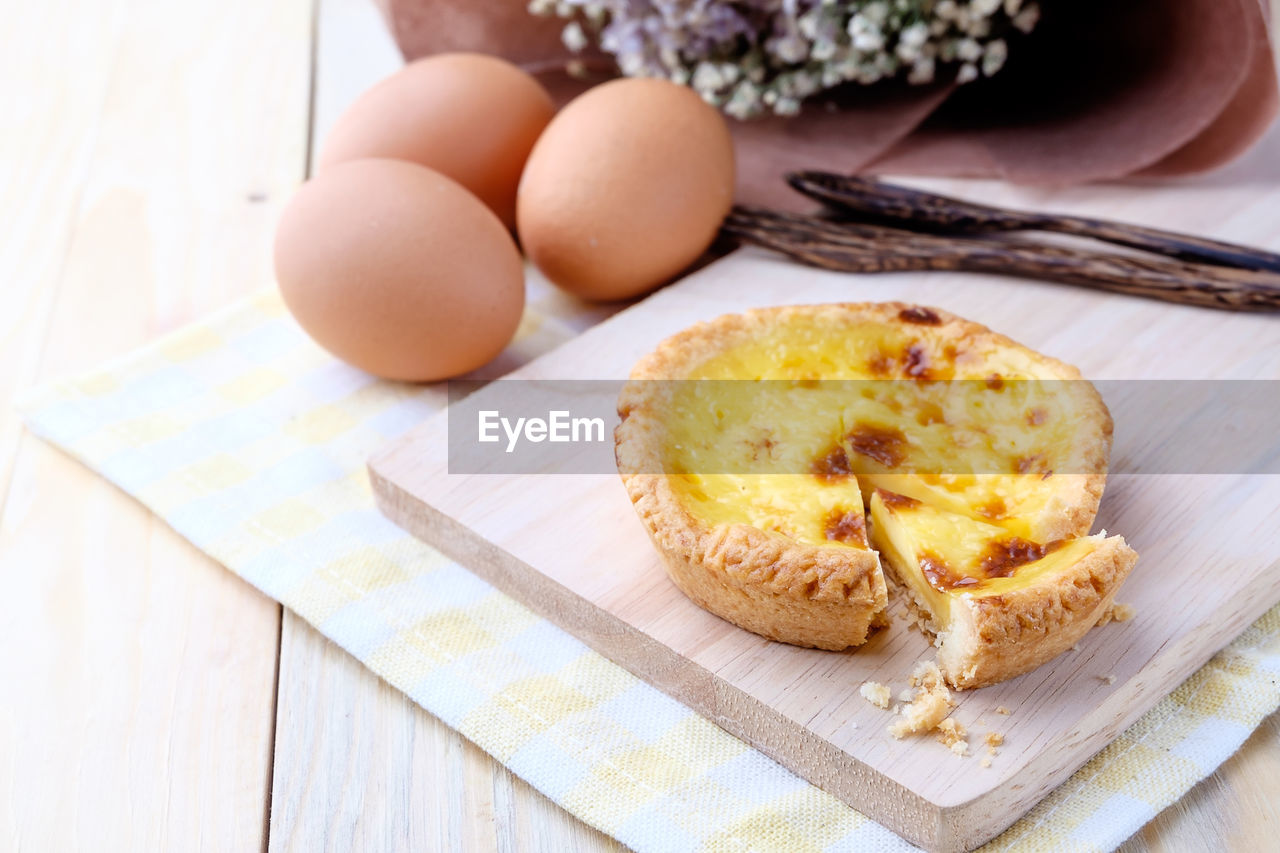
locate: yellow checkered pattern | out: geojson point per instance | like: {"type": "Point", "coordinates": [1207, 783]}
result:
{"type": "Point", "coordinates": [251, 442]}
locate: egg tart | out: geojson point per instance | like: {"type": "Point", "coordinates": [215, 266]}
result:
{"type": "Point", "coordinates": [999, 604]}
{"type": "Point", "coordinates": [751, 447]}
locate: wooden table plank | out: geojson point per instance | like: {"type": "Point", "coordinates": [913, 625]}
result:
{"type": "Point", "coordinates": [150, 147]}
{"type": "Point", "coordinates": [360, 767]}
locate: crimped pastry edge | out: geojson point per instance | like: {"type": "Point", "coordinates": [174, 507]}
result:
{"type": "Point", "coordinates": [994, 638]}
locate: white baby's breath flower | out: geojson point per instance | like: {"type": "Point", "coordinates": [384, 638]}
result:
{"type": "Point", "coordinates": [787, 106]}
{"type": "Point", "coordinates": [922, 71]}
{"type": "Point", "coordinates": [823, 50]}
{"type": "Point", "coordinates": [631, 64]}
{"type": "Point", "coordinates": [915, 35]}
{"type": "Point", "coordinates": [745, 100]}
{"type": "Point", "coordinates": [865, 33]}
{"type": "Point", "coordinates": [979, 28]}
{"type": "Point", "coordinates": [1027, 19]}
{"type": "Point", "coordinates": [791, 49]}
{"type": "Point", "coordinates": [707, 77]}
{"type": "Point", "coordinates": [993, 58]}
{"type": "Point", "coordinates": [753, 56]}
{"type": "Point", "coordinates": [968, 50]}
{"type": "Point", "coordinates": [876, 11]}
{"type": "Point", "coordinates": [573, 37]}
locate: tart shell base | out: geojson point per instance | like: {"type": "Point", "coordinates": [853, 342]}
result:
{"type": "Point", "coordinates": [822, 598]}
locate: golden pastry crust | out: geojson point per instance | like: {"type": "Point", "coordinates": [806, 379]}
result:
{"type": "Point", "coordinates": [993, 638]}
{"type": "Point", "coordinates": [809, 595]}
{"type": "Point", "coordinates": [825, 598]}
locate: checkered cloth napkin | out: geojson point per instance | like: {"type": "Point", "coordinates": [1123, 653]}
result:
{"type": "Point", "coordinates": [251, 442]}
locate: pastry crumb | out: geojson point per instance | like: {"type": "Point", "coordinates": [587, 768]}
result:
{"type": "Point", "coordinates": [906, 694]}
{"type": "Point", "coordinates": [928, 676]}
{"type": "Point", "coordinates": [922, 715]}
{"type": "Point", "coordinates": [1110, 679]}
{"type": "Point", "coordinates": [1003, 710]}
{"type": "Point", "coordinates": [993, 740]}
{"type": "Point", "coordinates": [1118, 613]}
{"type": "Point", "coordinates": [876, 693]}
{"type": "Point", "coordinates": [930, 706]}
{"type": "Point", "coordinates": [953, 736]}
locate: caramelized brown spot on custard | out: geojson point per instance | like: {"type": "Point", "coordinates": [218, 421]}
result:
{"type": "Point", "coordinates": [995, 382]}
{"type": "Point", "coordinates": [893, 500]}
{"type": "Point", "coordinates": [928, 413]}
{"type": "Point", "coordinates": [1033, 464]}
{"type": "Point", "coordinates": [885, 445]}
{"type": "Point", "coordinates": [941, 576]}
{"type": "Point", "coordinates": [1036, 416]}
{"type": "Point", "coordinates": [833, 466]}
{"type": "Point", "coordinates": [881, 365]}
{"type": "Point", "coordinates": [1002, 559]}
{"type": "Point", "coordinates": [847, 525]}
{"type": "Point", "coordinates": [1004, 556]}
{"type": "Point", "coordinates": [764, 444]}
{"type": "Point", "coordinates": [994, 508]}
{"type": "Point", "coordinates": [922, 316]}
{"type": "Point", "coordinates": [916, 363]}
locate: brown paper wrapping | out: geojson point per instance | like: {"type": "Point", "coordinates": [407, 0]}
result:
{"type": "Point", "coordinates": [1103, 89]}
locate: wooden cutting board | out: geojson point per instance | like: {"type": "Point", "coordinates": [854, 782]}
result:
{"type": "Point", "coordinates": [572, 549]}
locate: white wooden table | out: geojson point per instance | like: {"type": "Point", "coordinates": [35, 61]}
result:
{"type": "Point", "coordinates": [149, 699]}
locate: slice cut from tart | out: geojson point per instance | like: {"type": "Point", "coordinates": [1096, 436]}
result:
{"type": "Point", "coordinates": [999, 605]}
{"type": "Point", "coordinates": [750, 445]}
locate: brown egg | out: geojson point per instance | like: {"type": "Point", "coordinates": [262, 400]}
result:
{"type": "Point", "coordinates": [626, 188]}
{"type": "Point", "coordinates": [471, 117]}
{"type": "Point", "coordinates": [398, 270]}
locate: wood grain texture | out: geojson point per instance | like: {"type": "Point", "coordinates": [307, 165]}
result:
{"type": "Point", "coordinates": [149, 147]}
{"type": "Point", "coordinates": [799, 705]}
{"type": "Point", "coordinates": [361, 767]}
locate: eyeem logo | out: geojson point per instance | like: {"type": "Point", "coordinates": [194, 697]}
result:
{"type": "Point", "coordinates": [557, 427]}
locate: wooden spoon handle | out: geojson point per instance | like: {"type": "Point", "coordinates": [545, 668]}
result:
{"type": "Point", "coordinates": [931, 212]}
{"type": "Point", "coordinates": [855, 247]}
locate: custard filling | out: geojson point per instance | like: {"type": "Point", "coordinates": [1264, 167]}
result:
{"type": "Point", "coordinates": [939, 554]}
{"type": "Point", "coordinates": [794, 430]}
